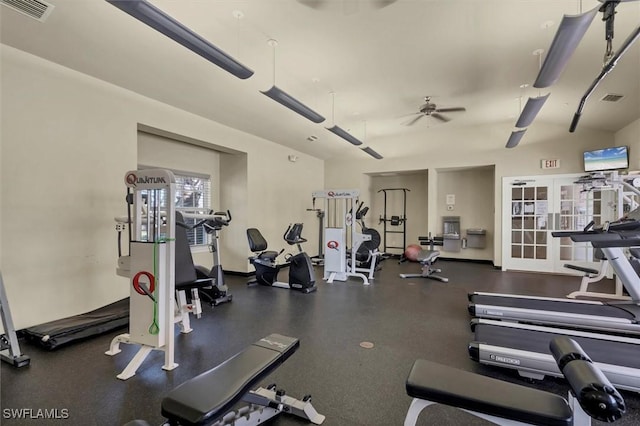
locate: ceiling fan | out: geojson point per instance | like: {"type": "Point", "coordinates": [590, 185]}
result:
{"type": "Point", "coordinates": [430, 109]}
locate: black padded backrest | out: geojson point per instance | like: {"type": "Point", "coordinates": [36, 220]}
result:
{"type": "Point", "coordinates": [256, 240]}
{"type": "Point", "coordinates": [294, 234]}
{"type": "Point", "coordinates": [360, 214]}
{"type": "Point", "coordinates": [205, 398]}
{"type": "Point", "coordinates": [185, 271]}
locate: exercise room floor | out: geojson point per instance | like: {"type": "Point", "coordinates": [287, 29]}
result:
{"type": "Point", "coordinates": [405, 319]}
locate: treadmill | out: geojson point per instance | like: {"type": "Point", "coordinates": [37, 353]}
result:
{"type": "Point", "coordinates": [622, 317]}
{"type": "Point", "coordinates": [524, 347]}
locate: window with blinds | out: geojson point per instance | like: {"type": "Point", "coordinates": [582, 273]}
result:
{"type": "Point", "coordinates": [193, 191]}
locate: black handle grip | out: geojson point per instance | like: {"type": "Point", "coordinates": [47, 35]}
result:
{"type": "Point", "coordinates": [595, 394]}
{"type": "Point", "coordinates": [574, 122]}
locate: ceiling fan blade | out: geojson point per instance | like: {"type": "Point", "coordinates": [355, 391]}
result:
{"type": "Point", "coordinates": [440, 117]}
{"type": "Point", "coordinates": [313, 4]}
{"type": "Point", "coordinates": [383, 3]}
{"type": "Point", "coordinates": [413, 121]}
{"type": "Point", "coordinates": [453, 109]}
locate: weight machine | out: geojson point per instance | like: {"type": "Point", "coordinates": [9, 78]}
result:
{"type": "Point", "coordinates": [626, 188]}
{"type": "Point", "coordinates": [340, 229]}
{"type": "Point", "coordinates": [150, 266]}
{"type": "Point", "coordinates": [212, 223]}
{"type": "Point", "coordinates": [319, 258]}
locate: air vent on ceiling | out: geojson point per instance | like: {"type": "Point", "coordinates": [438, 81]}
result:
{"type": "Point", "coordinates": [611, 97]}
{"type": "Point", "coordinates": [35, 9]}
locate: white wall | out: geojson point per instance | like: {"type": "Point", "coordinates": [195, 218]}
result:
{"type": "Point", "coordinates": [630, 136]}
{"type": "Point", "coordinates": [162, 152]}
{"type": "Point", "coordinates": [443, 148]}
{"type": "Point", "coordinates": [67, 140]}
{"type": "Point", "coordinates": [417, 207]}
{"type": "Point", "coordinates": [473, 190]}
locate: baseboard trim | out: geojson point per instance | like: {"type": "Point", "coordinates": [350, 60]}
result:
{"type": "Point", "coordinates": [240, 274]}
{"type": "Point", "coordinates": [457, 259]}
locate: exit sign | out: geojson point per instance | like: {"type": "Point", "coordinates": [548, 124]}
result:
{"type": "Point", "coordinates": [550, 164]}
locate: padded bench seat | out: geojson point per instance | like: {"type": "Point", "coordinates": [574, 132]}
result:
{"type": "Point", "coordinates": [427, 256]}
{"type": "Point", "coordinates": [204, 398]}
{"type": "Point", "coordinates": [449, 386]}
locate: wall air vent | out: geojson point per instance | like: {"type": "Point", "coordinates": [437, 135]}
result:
{"type": "Point", "coordinates": [611, 97]}
{"type": "Point", "coordinates": [35, 9]}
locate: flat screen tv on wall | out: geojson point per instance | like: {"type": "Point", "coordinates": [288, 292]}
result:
{"type": "Point", "coordinates": [614, 158]}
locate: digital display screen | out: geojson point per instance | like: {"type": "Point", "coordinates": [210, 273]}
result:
{"type": "Point", "coordinates": [606, 159]}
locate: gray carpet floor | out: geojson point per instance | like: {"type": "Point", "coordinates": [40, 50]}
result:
{"type": "Point", "coordinates": [405, 319]}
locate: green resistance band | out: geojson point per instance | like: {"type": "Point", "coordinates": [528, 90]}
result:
{"type": "Point", "coordinates": [154, 328]}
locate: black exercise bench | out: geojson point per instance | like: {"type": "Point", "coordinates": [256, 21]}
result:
{"type": "Point", "coordinates": [426, 259]}
{"type": "Point", "coordinates": [209, 398]}
{"type": "Point", "coordinates": [497, 401]}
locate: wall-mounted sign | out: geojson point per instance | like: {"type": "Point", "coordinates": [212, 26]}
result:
{"type": "Point", "coordinates": [451, 198]}
{"type": "Point", "coordinates": [549, 164]}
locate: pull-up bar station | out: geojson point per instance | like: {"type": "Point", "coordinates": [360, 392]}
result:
{"type": "Point", "coordinates": [395, 220]}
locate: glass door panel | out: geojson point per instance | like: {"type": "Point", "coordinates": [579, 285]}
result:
{"type": "Point", "coordinates": [540, 205]}
{"type": "Point", "coordinates": [528, 223]}
{"type": "Point", "coordinates": [578, 207]}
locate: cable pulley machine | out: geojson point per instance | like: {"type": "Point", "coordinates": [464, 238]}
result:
{"type": "Point", "coordinates": [340, 230]}
{"type": "Point", "coordinates": [150, 266]}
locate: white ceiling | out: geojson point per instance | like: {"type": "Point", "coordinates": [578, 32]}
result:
{"type": "Point", "coordinates": [379, 63]}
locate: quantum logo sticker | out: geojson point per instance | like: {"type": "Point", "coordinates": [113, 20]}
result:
{"type": "Point", "coordinates": [134, 180]}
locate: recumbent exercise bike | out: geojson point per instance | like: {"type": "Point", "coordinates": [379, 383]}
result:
{"type": "Point", "coordinates": [301, 273]}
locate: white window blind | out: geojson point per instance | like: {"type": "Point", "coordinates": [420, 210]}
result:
{"type": "Point", "coordinates": [193, 191]}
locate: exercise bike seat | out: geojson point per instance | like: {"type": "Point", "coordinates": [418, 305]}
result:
{"type": "Point", "coordinates": [257, 244]}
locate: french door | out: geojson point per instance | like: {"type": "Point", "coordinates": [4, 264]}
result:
{"type": "Point", "coordinates": [536, 206]}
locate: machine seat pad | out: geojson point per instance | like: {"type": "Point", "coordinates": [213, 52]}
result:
{"type": "Point", "coordinates": [426, 256]}
{"type": "Point", "coordinates": [268, 255]}
{"type": "Point", "coordinates": [449, 386]}
{"type": "Point", "coordinates": [582, 269]}
{"type": "Point", "coordinates": [199, 283]}
{"type": "Point", "coordinates": [210, 395]}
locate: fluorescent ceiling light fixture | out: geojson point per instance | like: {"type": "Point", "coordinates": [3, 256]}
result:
{"type": "Point", "coordinates": [344, 135]}
{"type": "Point", "coordinates": [531, 109]}
{"type": "Point", "coordinates": [515, 137]}
{"type": "Point", "coordinates": [569, 34]}
{"type": "Point", "coordinates": [293, 104]}
{"type": "Point", "coordinates": [372, 153]}
{"type": "Point", "coordinates": [605, 70]}
{"type": "Point", "coordinates": [145, 12]}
